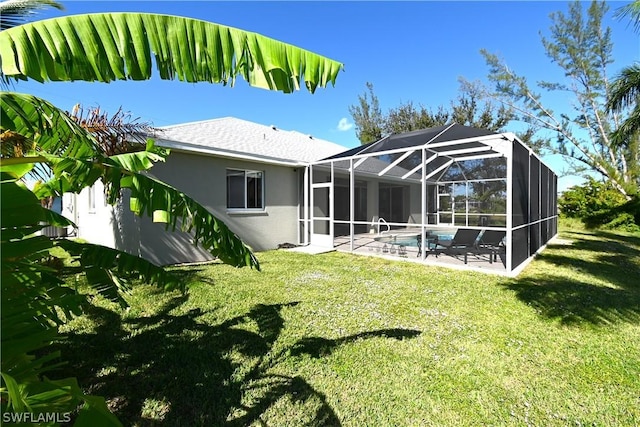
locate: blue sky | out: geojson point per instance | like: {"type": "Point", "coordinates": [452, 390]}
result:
{"type": "Point", "coordinates": [410, 51]}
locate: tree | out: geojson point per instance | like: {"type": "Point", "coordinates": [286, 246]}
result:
{"type": "Point", "coordinates": [625, 90]}
{"type": "Point", "coordinates": [371, 124]}
{"type": "Point", "coordinates": [582, 48]}
{"type": "Point", "coordinates": [34, 132]}
{"type": "Point", "coordinates": [115, 133]}
{"type": "Point", "coordinates": [368, 117]}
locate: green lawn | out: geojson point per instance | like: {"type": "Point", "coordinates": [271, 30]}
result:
{"type": "Point", "coordinates": [338, 339]}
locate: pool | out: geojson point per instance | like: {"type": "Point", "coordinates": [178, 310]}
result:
{"type": "Point", "coordinates": [411, 239]}
{"type": "Point", "coordinates": [404, 240]}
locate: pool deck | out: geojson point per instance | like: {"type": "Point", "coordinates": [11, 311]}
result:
{"type": "Point", "coordinates": [375, 245]}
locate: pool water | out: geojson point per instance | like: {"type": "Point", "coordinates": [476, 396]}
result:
{"type": "Point", "coordinates": [410, 239]}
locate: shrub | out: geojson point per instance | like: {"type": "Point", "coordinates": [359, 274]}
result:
{"type": "Point", "coordinates": [599, 205]}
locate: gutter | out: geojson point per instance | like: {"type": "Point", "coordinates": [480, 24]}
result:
{"type": "Point", "coordinates": [228, 154]}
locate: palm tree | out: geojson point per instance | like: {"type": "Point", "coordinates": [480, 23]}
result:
{"type": "Point", "coordinates": [115, 46]}
{"type": "Point", "coordinates": [632, 10]}
{"type": "Point", "coordinates": [625, 93]}
{"type": "Point", "coordinates": [115, 133]}
{"type": "Point", "coordinates": [625, 90]}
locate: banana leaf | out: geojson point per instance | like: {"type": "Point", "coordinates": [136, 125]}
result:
{"type": "Point", "coordinates": [104, 47]}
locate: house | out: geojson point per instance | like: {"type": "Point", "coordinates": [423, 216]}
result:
{"type": "Point", "coordinates": [248, 175]}
{"type": "Point", "coordinates": [401, 196]}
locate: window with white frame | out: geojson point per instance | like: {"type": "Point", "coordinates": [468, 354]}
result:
{"type": "Point", "coordinates": [91, 193]}
{"type": "Point", "coordinates": [245, 189]}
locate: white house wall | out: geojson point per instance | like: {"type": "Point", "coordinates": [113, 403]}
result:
{"type": "Point", "coordinates": [95, 223]}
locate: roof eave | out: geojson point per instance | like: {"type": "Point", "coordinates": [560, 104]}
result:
{"type": "Point", "coordinates": [228, 154]}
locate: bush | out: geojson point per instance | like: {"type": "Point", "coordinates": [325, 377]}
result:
{"type": "Point", "coordinates": [599, 205]}
{"type": "Point", "coordinates": [626, 217]}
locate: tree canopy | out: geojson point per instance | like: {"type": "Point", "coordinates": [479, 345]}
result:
{"type": "Point", "coordinates": [580, 45]}
{"type": "Point", "coordinates": [468, 109]}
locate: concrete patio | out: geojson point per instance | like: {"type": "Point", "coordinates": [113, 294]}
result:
{"type": "Point", "coordinates": [366, 244]}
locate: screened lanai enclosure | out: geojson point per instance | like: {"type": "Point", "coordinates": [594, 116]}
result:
{"type": "Point", "coordinates": [450, 195]}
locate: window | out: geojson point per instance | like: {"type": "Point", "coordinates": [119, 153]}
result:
{"type": "Point", "coordinates": [245, 189]}
{"type": "Point", "coordinates": [92, 198]}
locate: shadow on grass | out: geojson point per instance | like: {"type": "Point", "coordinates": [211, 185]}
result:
{"type": "Point", "coordinates": [176, 370]}
{"type": "Point", "coordinates": [191, 274]}
{"type": "Point", "coordinates": [610, 258]}
{"type": "Point", "coordinates": [318, 347]}
{"type": "Point", "coordinates": [627, 239]}
{"type": "Point", "coordinates": [573, 302]}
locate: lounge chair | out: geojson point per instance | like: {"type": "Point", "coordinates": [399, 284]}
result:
{"type": "Point", "coordinates": [491, 242]}
{"type": "Point", "coordinates": [462, 243]}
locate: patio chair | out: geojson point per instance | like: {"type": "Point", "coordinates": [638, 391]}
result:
{"type": "Point", "coordinates": [491, 242]}
{"type": "Point", "coordinates": [462, 243]}
{"type": "Point", "coordinates": [431, 242]}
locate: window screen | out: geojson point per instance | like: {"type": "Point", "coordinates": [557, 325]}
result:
{"type": "Point", "coordinates": [520, 201]}
{"type": "Point", "coordinates": [519, 246]}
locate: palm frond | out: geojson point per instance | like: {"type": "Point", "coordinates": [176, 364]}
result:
{"type": "Point", "coordinates": [18, 12]}
{"type": "Point", "coordinates": [31, 124]}
{"type": "Point", "coordinates": [116, 133]}
{"type": "Point", "coordinates": [122, 46]}
{"type": "Point", "coordinates": [625, 89]}
{"type": "Point", "coordinates": [628, 130]}
{"type": "Point", "coordinates": [631, 10]}
{"type": "Point", "coordinates": [625, 94]}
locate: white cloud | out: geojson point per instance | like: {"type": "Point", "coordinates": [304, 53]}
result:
{"type": "Point", "coordinates": [344, 125]}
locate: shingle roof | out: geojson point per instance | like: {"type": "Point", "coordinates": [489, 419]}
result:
{"type": "Point", "coordinates": [233, 137]}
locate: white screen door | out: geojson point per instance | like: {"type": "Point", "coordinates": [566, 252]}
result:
{"type": "Point", "coordinates": [321, 214]}
{"type": "Point", "coordinates": [445, 204]}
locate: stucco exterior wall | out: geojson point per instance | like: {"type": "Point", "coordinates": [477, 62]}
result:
{"type": "Point", "coordinates": [203, 178]}
{"type": "Point", "coordinates": [95, 221]}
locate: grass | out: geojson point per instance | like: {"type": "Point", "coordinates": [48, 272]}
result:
{"type": "Point", "coordinates": [337, 339]}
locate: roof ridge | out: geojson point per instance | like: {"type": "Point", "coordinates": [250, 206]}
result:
{"type": "Point", "coordinates": [238, 135]}
{"type": "Point", "coordinates": [231, 118]}
{"type": "Point", "coordinates": [197, 122]}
